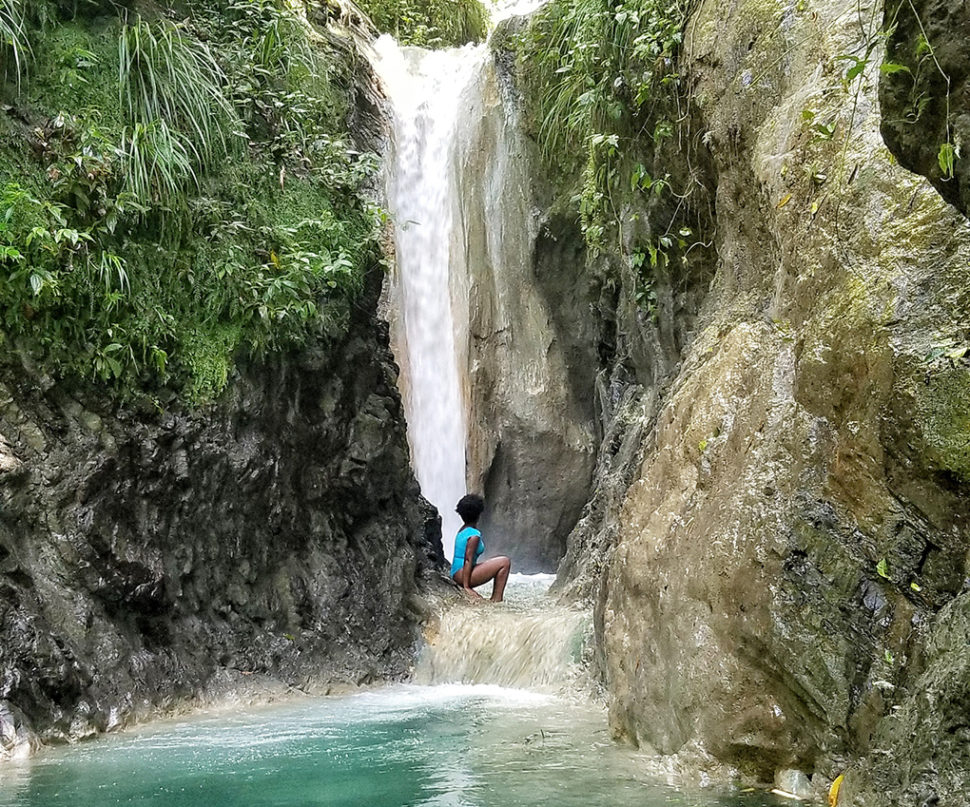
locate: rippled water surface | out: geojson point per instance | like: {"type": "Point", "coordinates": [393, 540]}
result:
{"type": "Point", "coordinates": [442, 745]}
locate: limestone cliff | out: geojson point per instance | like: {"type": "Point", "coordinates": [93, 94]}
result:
{"type": "Point", "coordinates": [532, 345]}
{"type": "Point", "coordinates": [778, 532]}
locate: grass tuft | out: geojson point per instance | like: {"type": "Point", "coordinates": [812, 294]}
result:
{"type": "Point", "coordinates": [172, 91]}
{"type": "Point", "coordinates": [14, 40]}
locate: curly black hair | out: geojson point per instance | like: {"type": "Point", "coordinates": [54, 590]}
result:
{"type": "Point", "coordinates": [470, 507]}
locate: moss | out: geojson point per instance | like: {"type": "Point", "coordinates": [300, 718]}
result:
{"type": "Point", "coordinates": [76, 72]}
{"type": "Point", "coordinates": [943, 414]}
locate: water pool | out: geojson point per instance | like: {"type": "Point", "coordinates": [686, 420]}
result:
{"type": "Point", "coordinates": [402, 746]}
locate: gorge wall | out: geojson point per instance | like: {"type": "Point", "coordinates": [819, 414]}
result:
{"type": "Point", "coordinates": [531, 354]}
{"type": "Point", "coordinates": [275, 540]}
{"type": "Point", "coordinates": [272, 541]}
{"type": "Point", "coordinates": [155, 556]}
{"type": "Point", "coordinates": [777, 536]}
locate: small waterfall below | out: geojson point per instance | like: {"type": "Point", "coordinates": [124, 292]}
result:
{"type": "Point", "coordinates": [527, 643]}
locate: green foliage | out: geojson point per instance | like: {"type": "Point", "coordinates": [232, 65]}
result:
{"type": "Point", "coordinates": [197, 203]}
{"type": "Point", "coordinates": [14, 42]}
{"type": "Point", "coordinates": [429, 23]}
{"type": "Point", "coordinates": [171, 93]}
{"type": "Point", "coordinates": [945, 157]}
{"type": "Point", "coordinates": [603, 83]}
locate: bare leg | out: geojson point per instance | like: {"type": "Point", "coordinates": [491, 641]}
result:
{"type": "Point", "coordinates": [501, 578]}
{"type": "Point", "coordinates": [496, 569]}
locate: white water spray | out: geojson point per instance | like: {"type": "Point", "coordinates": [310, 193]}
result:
{"type": "Point", "coordinates": [425, 90]}
{"type": "Point", "coordinates": [527, 643]}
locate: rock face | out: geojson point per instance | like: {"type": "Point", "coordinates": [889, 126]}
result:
{"type": "Point", "coordinates": [778, 532]}
{"type": "Point", "coordinates": [921, 752]}
{"type": "Point", "coordinates": [925, 106]}
{"type": "Point", "coordinates": [151, 559]}
{"type": "Point", "coordinates": [532, 343]}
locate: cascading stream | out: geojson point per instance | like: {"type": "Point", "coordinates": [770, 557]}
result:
{"type": "Point", "coordinates": [527, 643]}
{"type": "Point", "coordinates": [436, 98]}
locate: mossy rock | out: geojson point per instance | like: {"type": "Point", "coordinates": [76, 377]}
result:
{"type": "Point", "coordinates": [943, 416]}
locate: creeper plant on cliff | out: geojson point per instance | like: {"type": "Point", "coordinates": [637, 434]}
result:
{"type": "Point", "coordinates": [605, 78]}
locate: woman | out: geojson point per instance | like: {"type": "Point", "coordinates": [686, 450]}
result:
{"type": "Point", "coordinates": [466, 570]}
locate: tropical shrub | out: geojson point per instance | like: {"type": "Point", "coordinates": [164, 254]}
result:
{"type": "Point", "coordinates": [602, 82]}
{"type": "Point", "coordinates": [181, 194]}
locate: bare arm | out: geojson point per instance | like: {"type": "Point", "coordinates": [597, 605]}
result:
{"type": "Point", "coordinates": [466, 571]}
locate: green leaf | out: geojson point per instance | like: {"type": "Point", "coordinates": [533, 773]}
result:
{"type": "Point", "coordinates": [857, 66]}
{"type": "Point", "coordinates": [882, 568]}
{"type": "Point", "coordinates": [915, 586]}
{"type": "Point", "coordinates": [888, 68]}
{"type": "Point", "coordinates": [946, 158]}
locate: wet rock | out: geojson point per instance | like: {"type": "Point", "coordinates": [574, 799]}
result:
{"type": "Point", "coordinates": [926, 100]}
{"type": "Point", "coordinates": [9, 462]}
{"type": "Point", "coordinates": [780, 514]}
{"type": "Point", "coordinates": [531, 354]}
{"type": "Point", "coordinates": [794, 782]}
{"type": "Point", "coordinates": [921, 750]}
{"type": "Point", "coordinates": [16, 738]}
{"type": "Point", "coordinates": [208, 545]}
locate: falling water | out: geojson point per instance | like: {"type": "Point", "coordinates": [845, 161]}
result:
{"type": "Point", "coordinates": [425, 91]}
{"type": "Point", "coordinates": [528, 643]}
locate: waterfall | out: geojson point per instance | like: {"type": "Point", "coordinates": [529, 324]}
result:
{"type": "Point", "coordinates": [455, 193]}
{"type": "Point", "coordinates": [425, 91]}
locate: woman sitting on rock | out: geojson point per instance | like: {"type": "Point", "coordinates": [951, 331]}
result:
{"type": "Point", "coordinates": [466, 569]}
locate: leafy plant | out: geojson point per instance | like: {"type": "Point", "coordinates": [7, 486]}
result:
{"type": "Point", "coordinates": [156, 162]}
{"type": "Point", "coordinates": [133, 252]}
{"type": "Point", "coordinates": [429, 23]}
{"type": "Point", "coordinates": [14, 41]}
{"type": "Point", "coordinates": [945, 158]}
{"type": "Point", "coordinates": [604, 85]}
{"type": "Point", "coordinates": [171, 90]}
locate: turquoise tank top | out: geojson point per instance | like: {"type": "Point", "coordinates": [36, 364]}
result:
{"type": "Point", "coordinates": [461, 541]}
